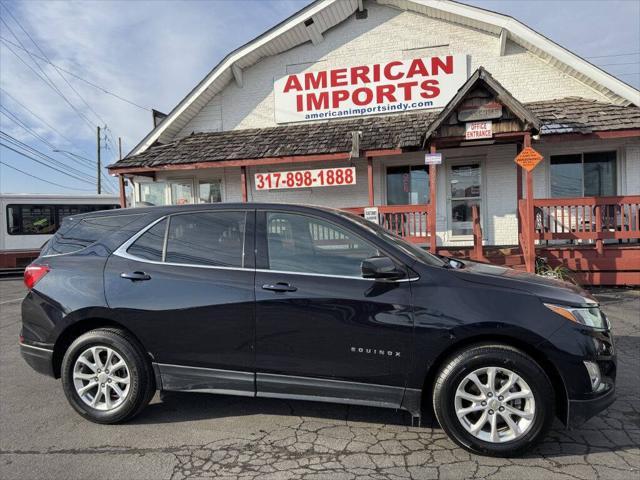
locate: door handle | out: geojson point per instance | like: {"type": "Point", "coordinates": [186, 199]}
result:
{"type": "Point", "coordinates": [135, 276]}
{"type": "Point", "coordinates": [280, 287]}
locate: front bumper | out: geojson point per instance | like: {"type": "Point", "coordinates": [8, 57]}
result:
{"type": "Point", "coordinates": [38, 358]}
{"type": "Point", "coordinates": [582, 410]}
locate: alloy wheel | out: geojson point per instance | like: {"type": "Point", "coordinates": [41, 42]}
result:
{"type": "Point", "coordinates": [101, 378]}
{"type": "Point", "coordinates": [495, 404]}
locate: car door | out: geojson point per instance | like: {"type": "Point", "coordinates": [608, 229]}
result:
{"type": "Point", "coordinates": [323, 331]}
{"type": "Point", "coordinates": [184, 286]}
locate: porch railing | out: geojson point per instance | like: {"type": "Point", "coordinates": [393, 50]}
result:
{"type": "Point", "coordinates": [410, 222]}
{"type": "Point", "coordinates": [587, 218]}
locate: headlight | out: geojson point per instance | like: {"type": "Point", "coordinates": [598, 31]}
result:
{"type": "Point", "coordinates": [589, 317]}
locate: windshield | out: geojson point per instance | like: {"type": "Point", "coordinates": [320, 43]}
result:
{"type": "Point", "coordinates": [410, 249]}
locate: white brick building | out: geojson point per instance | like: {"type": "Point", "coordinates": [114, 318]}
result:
{"type": "Point", "coordinates": [239, 122]}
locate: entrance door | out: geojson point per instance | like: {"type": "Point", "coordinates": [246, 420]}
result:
{"type": "Point", "coordinates": [465, 190]}
{"type": "Point", "coordinates": [323, 331]}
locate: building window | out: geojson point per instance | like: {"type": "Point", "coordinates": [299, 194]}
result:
{"type": "Point", "coordinates": [583, 175]}
{"type": "Point", "coordinates": [181, 192]}
{"type": "Point", "coordinates": [153, 193]}
{"type": "Point", "coordinates": [407, 185]}
{"type": "Point", "coordinates": [210, 191]}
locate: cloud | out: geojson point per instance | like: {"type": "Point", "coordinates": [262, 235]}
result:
{"type": "Point", "coordinates": [150, 52]}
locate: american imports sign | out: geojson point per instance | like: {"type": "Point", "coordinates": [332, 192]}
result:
{"type": "Point", "coordinates": [395, 86]}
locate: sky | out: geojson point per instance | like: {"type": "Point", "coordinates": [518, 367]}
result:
{"type": "Point", "coordinates": [115, 60]}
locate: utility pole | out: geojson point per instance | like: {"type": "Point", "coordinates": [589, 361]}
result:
{"type": "Point", "coordinates": [120, 148]}
{"type": "Point", "coordinates": [99, 166]}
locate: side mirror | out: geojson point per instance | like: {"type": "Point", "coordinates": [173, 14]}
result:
{"type": "Point", "coordinates": [380, 267]}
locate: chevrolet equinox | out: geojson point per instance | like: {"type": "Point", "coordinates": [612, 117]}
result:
{"type": "Point", "coordinates": [296, 302]}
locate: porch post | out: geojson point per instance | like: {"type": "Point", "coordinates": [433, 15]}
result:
{"type": "Point", "coordinates": [123, 195]}
{"type": "Point", "coordinates": [431, 218]}
{"type": "Point", "coordinates": [529, 230]}
{"type": "Point", "coordinates": [518, 189]}
{"type": "Point", "coordinates": [243, 181]}
{"type": "Point", "coordinates": [370, 180]}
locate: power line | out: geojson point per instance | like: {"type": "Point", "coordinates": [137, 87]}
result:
{"type": "Point", "coordinates": [42, 163]}
{"type": "Point", "coordinates": [43, 180]}
{"type": "Point", "coordinates": [11, 116]}
{"type": "Point", "coordinates": [69, 141]}
{"type": "Point", "coordinates": [75, 173]}
{"type": "Point", "coordinates": [34, 151]}
{"type": "Point", "coordinates": [614, 64]}
{"type": "Point", "coordinates": [53, 87]}
{"type": "Point", "coordinates": [48, 61]}
{"type": "Point", "coordinates": [53, 147]}
{"type": "Point", "coordinates": [615, 55]}
{"type": "Point", "coordinates": [107, 180]}
{"type": "Point", "coordinates": [92, 84]}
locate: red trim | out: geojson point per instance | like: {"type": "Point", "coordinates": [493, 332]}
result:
{"type": "Point", "coordinates": [370, 180]}
{"type": "Point", "coordinates": [248, 162]}
{"type": "Point", "coordinates": [563, 137]}
{"type": "Point", "coordinates": [382, 153]}
{"type": "Point", "coordinates": [123, 196]}
{"type": "Point", "coordinates": [431, 217]}
{"type": "Point", "coordinates": [243, 181]}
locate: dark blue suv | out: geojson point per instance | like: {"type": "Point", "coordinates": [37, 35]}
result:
{"type": "Point", "coordinates": [271, 300]}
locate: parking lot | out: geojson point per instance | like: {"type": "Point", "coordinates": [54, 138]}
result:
{"type": "Point", "coordinates": [201, 436]}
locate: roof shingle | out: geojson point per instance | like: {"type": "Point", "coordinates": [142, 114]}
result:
{"type": "Point", "coordinates": [566, 115]}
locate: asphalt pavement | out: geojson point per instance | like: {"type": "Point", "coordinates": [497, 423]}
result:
{"type": "Point", "coordinates": [210, 436]}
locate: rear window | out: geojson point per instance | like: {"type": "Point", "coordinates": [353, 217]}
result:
{"type": "Point", "coordinates": [76, 235]}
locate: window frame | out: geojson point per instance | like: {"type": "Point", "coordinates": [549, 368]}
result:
{"type": "Point", "coordinates": [262, 246]}
{"type": "Point", "coordinates": [619, 172]}
{"type": "Point", "coordinates": [248, 249]}
{"type": "Point", "coordinates": [198, 181]}
{"type": "Point", "coordinates": [411, 167]}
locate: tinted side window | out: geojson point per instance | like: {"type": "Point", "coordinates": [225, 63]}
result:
{"type": "Point", "coordinates": [74, 236]}
{"type": "Point", "coordinates": [151, 243]}
{"type": "Point", "coordinates": [207, 238]}
{"type": "Point", "coordinates": [27, 219]}
{"type": "Point", "coordinates": [30, 220]}
{"type": "Point", "coordinates": [299, 243]}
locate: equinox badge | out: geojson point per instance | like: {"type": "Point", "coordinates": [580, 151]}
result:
{"type": "Point", "coordinates": [375, 351]}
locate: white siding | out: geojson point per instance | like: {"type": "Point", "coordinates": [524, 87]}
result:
{"type": "Point", "coordinates": [385, 35]}
{"type": "Point", "coordinates": [632, 160]}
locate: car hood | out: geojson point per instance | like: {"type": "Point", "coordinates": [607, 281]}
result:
{"type": "Point", "coordinates": [547, 288]}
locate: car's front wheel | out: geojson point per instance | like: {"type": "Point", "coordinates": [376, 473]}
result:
{"type": "Point", "coordinates": [493, 400]}
{"type": "Point", "coordinates": [106, 376]}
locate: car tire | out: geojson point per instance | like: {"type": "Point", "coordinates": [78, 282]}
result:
{"type": "Point", "coordinates": [121, 392]}
{"type": "Point", "coordinates": [463, 401]}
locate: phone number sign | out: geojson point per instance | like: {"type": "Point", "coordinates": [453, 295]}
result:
{"type": "Point", "coordinates": [322, 177]}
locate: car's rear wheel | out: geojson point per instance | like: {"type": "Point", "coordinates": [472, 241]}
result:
{"type": "Point", "coordinates": [494, 400]}
{"type": "Point", "coordinates": [106, 376]}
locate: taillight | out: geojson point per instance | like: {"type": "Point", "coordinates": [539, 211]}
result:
{"type": "Point", "coordinates": [33, 274]}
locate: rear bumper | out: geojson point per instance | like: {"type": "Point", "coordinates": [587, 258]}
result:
{"type": "Point", "coordinates": [582, 410]}
{"type": "Point", "coordinates": [38, 358]}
